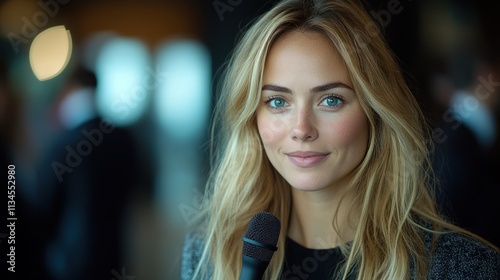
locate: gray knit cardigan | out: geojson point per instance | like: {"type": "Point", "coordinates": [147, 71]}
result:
{"type": "Point", "coordinates": [455, 257]}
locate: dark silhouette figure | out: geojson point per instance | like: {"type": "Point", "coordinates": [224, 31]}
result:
{"type": "Point", "coordinates": [86, 184]}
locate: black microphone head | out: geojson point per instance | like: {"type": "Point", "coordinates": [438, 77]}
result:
{"type": "Point", "coordinates": [264, 228]}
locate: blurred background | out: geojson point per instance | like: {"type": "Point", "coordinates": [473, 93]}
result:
{"type": "Point", "coordinates": [112, 154]}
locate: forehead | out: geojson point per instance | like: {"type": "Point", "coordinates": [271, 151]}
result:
{"type": "Point", "coordinates": [305, 55]}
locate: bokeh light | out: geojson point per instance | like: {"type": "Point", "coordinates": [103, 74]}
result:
{"type": "Point", "coordinates": [122, 72]}
{"type": "Point", "coordinates": [182, 101]}
{"type": "Point", "coordinates": [50, 52]}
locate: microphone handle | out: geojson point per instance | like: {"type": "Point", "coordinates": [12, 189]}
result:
{"type": "Point", "coordinates": [252, 269]}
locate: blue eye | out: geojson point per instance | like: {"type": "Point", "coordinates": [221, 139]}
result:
{"type": "Point", "coordinates": [276, 102]}
{"type": "Point", "coordinates": [331, 101]}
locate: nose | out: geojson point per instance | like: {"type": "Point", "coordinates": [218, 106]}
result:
{"type": "Point", "coordinates": [303, 127]}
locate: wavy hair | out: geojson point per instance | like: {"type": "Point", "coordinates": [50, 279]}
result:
{"type": "Point", "coordinates": [391, 186]}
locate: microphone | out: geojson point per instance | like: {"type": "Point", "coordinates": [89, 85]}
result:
{"type": "Point", "coordinates": [259, 245]}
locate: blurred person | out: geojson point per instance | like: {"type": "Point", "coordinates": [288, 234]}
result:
{"type": "Point", "coordinates": [320, 129]}
{"type": "Point", "coordinates": [463, 160]}
{"type": "Point", "coordinates": [27, 248]}
{"type": "Point", "coordinates": [85, 187]}
{"type": "Point", "coordinates": [466, 159]}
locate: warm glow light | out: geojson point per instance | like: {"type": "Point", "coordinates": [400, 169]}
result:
{"type": "Point", "coordinates": [50, 52]}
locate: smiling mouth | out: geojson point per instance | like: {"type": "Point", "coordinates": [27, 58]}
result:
{"type": "Point", "coordinates": [306, 159]}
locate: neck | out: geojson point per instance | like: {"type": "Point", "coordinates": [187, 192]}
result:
{"type": "Point", "coordinates": [312, 219]}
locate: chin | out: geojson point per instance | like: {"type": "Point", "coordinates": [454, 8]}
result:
{"type": "Point", "coordinates": [307, 189]}
{"type": "Point", "coordinates": [306, 184]}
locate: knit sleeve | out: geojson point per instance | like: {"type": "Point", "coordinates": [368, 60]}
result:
{"type": "Point", "coordinates": [191, 253]}
{"type": "Point", "coordinates": [460, 257]}
{"type": "Point", "coordinates": [194, 245]}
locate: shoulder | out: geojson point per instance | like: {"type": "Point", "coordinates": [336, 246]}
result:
{"type": "Point", "coordinates": [192, 252]}
{"type": "Point", "coordinates": [457, 256]}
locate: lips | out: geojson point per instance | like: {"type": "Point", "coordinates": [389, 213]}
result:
{"type": "Point", "coordinates": [305, 159]}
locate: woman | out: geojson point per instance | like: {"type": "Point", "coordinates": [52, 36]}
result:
{"type": "Point", "coordinates": [320, 129]}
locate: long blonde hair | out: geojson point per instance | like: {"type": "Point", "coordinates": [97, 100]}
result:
{"type": "Point", "coordinates": [391, 185]}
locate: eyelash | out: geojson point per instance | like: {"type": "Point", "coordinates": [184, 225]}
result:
{"type": "Point", "coordinates": [274, 97]}
{"type": "Point", "coordinates": [271, 98]}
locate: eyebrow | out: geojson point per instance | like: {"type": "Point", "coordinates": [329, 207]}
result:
{"type": "Point", "coordinates": [317, 89]}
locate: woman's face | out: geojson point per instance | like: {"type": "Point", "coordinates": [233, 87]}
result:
{"type": "Point", "coordinates": [310, 121]}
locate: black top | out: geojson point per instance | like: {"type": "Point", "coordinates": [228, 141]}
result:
{"type": "Point", "coordinates": [453, 256]}
{"type": "Point", "coordinates": [305, 263]}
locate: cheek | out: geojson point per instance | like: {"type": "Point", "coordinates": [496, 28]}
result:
{"type": "Point", "coordinates": [271, 129]}
{"type": "Point", "coordinates": [266, 133]}
{"type": "Point", "coordinates": [351, 132]}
